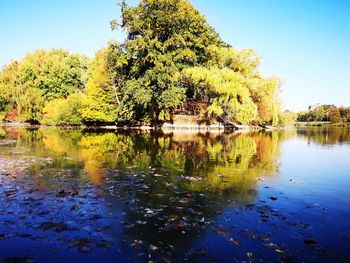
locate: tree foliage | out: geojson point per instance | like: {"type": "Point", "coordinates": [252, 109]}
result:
{"type": "Point", "coordinates": [100, 104]}
{"type": "Point", "coordinates": [226, 97]}
{"type": "Point", "coordinates": [64, 111]}
{"type": "Point", "coordinates": [287, 118]}
{"type": "Point", "coordinates": [325, 113]}
{"type": "Point", "coordinates": [233, 87]}
{"type": "Point", "coordinates": [334, 115]}
{"type": "Point", "coordinates": [30, 105]}
{"type": "Point", "coordinates": [56, 73]}
{"type": "Point", "coordinates": [171, 56]}
{"type": "Point", "coordinates": [163, 37]}
{"type": "Point", "coordinates": [41, 76]}
{"type": "Point", "coordinates": [344, 113]}
{"type": "Point", "coordinates": [8, 83]}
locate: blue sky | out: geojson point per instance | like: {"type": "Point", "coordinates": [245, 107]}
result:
{"type": "Point", "coordinates": [304, 42]}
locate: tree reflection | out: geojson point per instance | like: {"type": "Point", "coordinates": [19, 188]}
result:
{"type": "Point", "coordinates": [210, 163]}
{"type": "Point", "coordinates": [166, 185]}
{"type": "Point", "coordinates": [326, 136]}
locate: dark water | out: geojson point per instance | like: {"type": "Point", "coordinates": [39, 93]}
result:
{"type": "Point", "coordinates": [79, 196]}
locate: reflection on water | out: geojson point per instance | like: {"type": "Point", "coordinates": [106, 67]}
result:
{"type": "Point", "coordinates": [326, 136]}
{"type": "Point", "coordinates": [136, 196]}
{"type": "Point", "coordinates": [207, 162]}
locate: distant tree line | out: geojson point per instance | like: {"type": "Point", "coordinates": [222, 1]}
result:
{"type": "Point", "coordinates": [325, 113]}
{"type": "Point", "coordinates": [171, 60]}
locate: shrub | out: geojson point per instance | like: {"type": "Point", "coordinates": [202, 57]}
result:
{"type": "Point", "coordinates": [64, 111]}
{"type": "Point", "coordinates": [287, 118]}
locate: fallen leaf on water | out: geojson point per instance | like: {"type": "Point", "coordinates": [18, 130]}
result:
{"type": "Point", "coordinates": [234, 241]}
{"type": "Point", "coordinates": [219, 231]}
{"type": "Point", "coordinates": [9, 194]}
{"type": "Point", "coordinates": [152, 247]}
{"type": "Point", "coordinates": [279, 251]}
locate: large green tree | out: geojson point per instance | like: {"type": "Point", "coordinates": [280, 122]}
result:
{"type": "Point", "coordinates": [163, 37]}
{"type": "Point", "coordinates": [57, 73]}
{"type": "Point", "coordinates": [39, 77]}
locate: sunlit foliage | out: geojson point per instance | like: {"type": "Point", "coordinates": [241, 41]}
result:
{"type": "Point", "coordinates": [227, 98]}
{"type": "Point", "coordinates": [287, 118]}
{"type": "Point", "coordinates": [334, 115]}
{"type": "Point", "coordinates": [100, 105]}
{"type": "Point", "coordinates": [8, 83]}
{"type": "Point", "coordinates": [56, 73]}
{"type": "Point", "coordinates": [325, 113]}
{"type": "Point", "coordinates": [233, 87]}
{"type": "Point", "coordinates": [64, 111]}
{"type": "Point", "coordinates": [163, 37]}
{"type": "Point", "coordinates": [41, 76]}
{"type": "Point", "coordinates": [171, 56]}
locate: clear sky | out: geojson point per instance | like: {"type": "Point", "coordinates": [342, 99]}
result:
{"type": "Point", "coordinates": [304, 42]}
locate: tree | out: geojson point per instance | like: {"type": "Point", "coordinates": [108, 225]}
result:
{"type": "Point", "coordinates": [320, 113]}
{"type": "Point", "coordinates": [171, 57]}
{"type": "Point", "coordinates": [228, 100]}
{"type": "Point", "coordinates": [344, 113]}
{"type": "Point", "coordinates": [56, 73]}
{"type": "Point", "coordinates": [30, 105]}
{"type": "Point", "coordinates": [163, 37]}
{"type": "Point", "coordinates": [233, 88]}
{"type": "Point", "coordinates": [8, 81]}
{"type": "Point", "coordinates": [100, 104]}
{"type": "Point", "coordinates": [287, 118]}
{"type": "Point", "coordinates": [64, 111]}
{"type": "Point", "coordinates": [41, 75]}
{"type": "Point", "coordinates": [334, 115]}
{"type": "Point", "coordinates": [348, 114]}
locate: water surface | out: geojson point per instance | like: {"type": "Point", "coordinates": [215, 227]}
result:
{"type": "Point", "coordinates": [83, 196]}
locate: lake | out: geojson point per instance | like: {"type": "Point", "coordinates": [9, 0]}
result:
{"type": "Point", "coordinates": [88, 196]}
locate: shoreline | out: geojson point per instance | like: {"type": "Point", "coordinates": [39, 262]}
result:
{"type": "Point", "coordinates": [216, 128]}
{"type": "Point", "coordinates": [316, 124]}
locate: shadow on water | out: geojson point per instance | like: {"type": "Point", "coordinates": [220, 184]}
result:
{"type": "Point", "coordinates": [137, 196]}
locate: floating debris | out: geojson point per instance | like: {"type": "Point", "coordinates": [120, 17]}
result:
{"type": "Point", "coordinates": [310, 242]}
